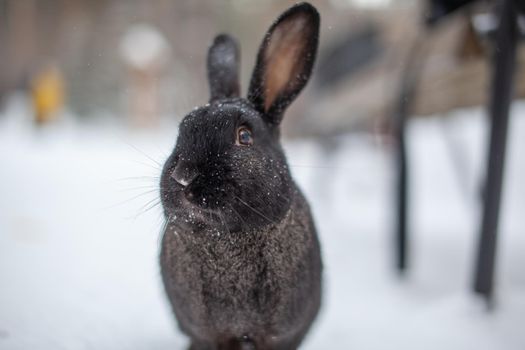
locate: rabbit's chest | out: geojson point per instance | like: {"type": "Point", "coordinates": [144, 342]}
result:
{"type": "Point", "coordinates": [232, 271]}
{"type": "Point", "coordinates": [227, 281]}
{"type": "Point", "coordinates": [240, 285]}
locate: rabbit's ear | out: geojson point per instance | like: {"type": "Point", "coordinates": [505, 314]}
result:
{"type": "Point", "coordinates": [285, 61]}
{"type": "Point", "coordinates": [223, 67]}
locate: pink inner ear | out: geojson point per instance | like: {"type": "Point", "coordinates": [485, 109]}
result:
{"type": "Point", "coordinates": [283, 58]}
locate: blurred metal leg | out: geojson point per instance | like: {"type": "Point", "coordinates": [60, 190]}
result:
{"type": "Point", "coordinates": [501, 96]}
{"type": "Point", "coordinates": [402, 197]}
{"type": "Point", "coordinates": [409, 81]}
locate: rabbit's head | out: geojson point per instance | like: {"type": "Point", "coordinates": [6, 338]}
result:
{"type": "Point", "coordinates": [228, 169]}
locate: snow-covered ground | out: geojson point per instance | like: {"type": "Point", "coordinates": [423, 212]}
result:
{"type": "Point", "coordinates": [78, 247]}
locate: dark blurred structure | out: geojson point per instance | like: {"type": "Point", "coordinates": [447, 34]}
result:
{"type": "Point", "coordinates": [346, 58]}
{"type": "Point", "coordinates": [503, 49]}
{"type": "Point", "coordinates": [439, 9]}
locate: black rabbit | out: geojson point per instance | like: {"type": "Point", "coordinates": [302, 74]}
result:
{"type": "Point", "coordinates": [240, 257]}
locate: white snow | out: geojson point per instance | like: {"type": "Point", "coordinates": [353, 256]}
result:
{"type": "Point", "coordinates": [78, 251]}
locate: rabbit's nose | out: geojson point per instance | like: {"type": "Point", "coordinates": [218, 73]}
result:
{"type": "Point", "coordinates": [184, 174]}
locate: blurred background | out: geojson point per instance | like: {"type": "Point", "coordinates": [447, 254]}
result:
{"type": "Point", "coordinates": [91, 93]}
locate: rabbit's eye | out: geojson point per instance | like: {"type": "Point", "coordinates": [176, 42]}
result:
{"type": "Point", "coordinates": [244, 136]}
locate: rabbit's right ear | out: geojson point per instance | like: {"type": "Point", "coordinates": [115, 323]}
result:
{"type": "Point", "coordinates": [223, 67]}
{"type": "Point", "coordinates": [285, 61]}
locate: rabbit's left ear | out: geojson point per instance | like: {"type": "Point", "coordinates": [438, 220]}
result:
{"type": "Point", "coordinates": [223, 68]}
{"type": "Point", "coordinates": [285, 61]}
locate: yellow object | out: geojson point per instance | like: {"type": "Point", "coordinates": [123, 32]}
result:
{"type": "Point", "coordinates": [47, 94]}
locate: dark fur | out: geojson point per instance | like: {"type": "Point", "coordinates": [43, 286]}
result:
{"type": "Point", "coordinates": [240, 258]}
